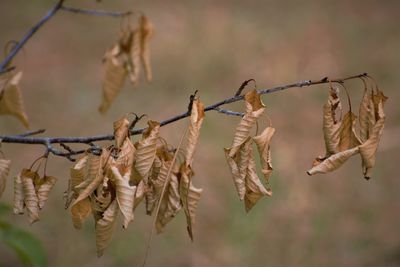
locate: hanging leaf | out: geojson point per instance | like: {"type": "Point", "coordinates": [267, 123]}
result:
{"type": "Point", "coordinates": [125, 195]}
{"type": "Point", "coordinates": [121, 131]}
{"type": "Point", "coordinates": [77, 175]}
{"type": "Point", "coordinates": [105, 228]}
{"type": "Point", "coordinates": [18, 195]}
{"type": "Point", "coordinates": [44, 189]}
{"type": "Point", "coordinates": [4, 171]}
{"type": "Point", "coordinates": [140, 194]}
{"type": "Point", "coordinates": [11, 99]}
{"type": "Point", "coordinates": [146, 32]}
{"type": "Point", "coordinates": [254, 188]}
{"type": "Point", "coordinates": [134, 55]}
{"type": "Point", "coordinates": [348, 135]}
{"type": "Point", "coordinates": [263, 145]}
{"type": "Point", "coordinates": [363, 115]}
{"type": "Point", "coordinates": [196, 119]}
{"type": "Point", "coordinates": [114, 77]}
{"type": "Point", "coordinates": [369, 148]}
{"type": "Point", "coordinates": [31, 199]}
{"type": "Point", "coordinates": [254, 109]}
{"type": "Point", "coordinates": [126, 156]}
{"type": "Point", "coordinates": [146, 150]}
{"type": "Point", "coordinates": [331, 126]}
{"type": "Point", "coordinates": [333, 162]}
{"type": "Point", "coordinates": [238, 164]}
{"type": "Point", "coordinates": [190, 197]}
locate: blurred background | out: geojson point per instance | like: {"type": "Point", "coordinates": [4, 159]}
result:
{"type": "Point", "coordinates": [338, 219]}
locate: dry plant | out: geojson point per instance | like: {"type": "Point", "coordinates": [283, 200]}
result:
{"type": "Point", "coordinates": [114, 179]}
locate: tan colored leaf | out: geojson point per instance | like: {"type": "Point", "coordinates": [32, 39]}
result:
{"type": "Point", "coordinates": [146, 150]}
{"type": "Point", "coordinates": [105, 228]}
{"type": "Point", "coordinates": [146, 32]}
{"type": "Point", "coordinates": [171, 204]}
{"type": "Point", "coordinates": [330, 125]}
{"type": "Point", "coordinates": [31, 199]}
{"type": "Point", "coordinates": [125, 195]}
{"type": "Point", "coordinates": [44, 189]}
{"type": "Point", "coordinates": [196, 119]}
{"type": "Point", "coordinates": [151, 194]}
{"type": "Point", "coordinates": [348, 135]}
{"type": "Point", "coordinates": [18, 195]}
{"type": "Point", "coordinates": [190, 197]}
{"type": "Point", "coordinates": [135, 52]}
{"type": "Point", "coordinates": [254, 188]}
{"type": "Point", "coordinates": [140, 194]}
{"type": "Point", "coordinates": [114, 77]}
{"type": "Point", "coordinates": [254, 109]}
{"type": "Point", "coordinates": [333, 162]}
{"type": "Point", "coordinates": [364, 114]}
{"type": "Point", "coordinates": [238, 164]}
{"type": "Point", "coordinates": [369, 148]}
{"type": "Point", "coordinates": [80, 211]}
{"type": "Point", "coordinates": [126, 156]}
{"type": "Point", "coordinates": [121, 131]}
{"type": "Point", "coordinates": [4, 171]}
{"type": "Point", "coordinates": [11, 99]}
{"type": "Point", "coordinates": [263, 145]}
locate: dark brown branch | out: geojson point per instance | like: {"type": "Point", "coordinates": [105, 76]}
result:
{"type": "Point", "coordinates": [96, 12]}
{"type": "Point", "coordinates": [48, 141]}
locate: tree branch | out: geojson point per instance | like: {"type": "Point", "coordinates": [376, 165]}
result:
{"type": "Point", "coordinates": [48, 141]}
{"type": "Point", "coordinates": [96, 12]}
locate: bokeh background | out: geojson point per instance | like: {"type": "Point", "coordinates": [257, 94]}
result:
{"type": "Point", "coordinates": [325, 220]}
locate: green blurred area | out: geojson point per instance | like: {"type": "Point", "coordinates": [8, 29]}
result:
{"type": "Point", "coordinates": [212, 46]}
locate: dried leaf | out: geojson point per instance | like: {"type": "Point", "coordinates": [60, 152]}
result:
{"type": "Point", "coordinates": [238, 164]}
{"type": "Point", "coordinates": [121, 131]}
{"type": "Point", "coordinates": [333, 162]}
{"type": "Point", "coordinates": [171, 204]}
{"type": "Point", "coordinates": [254, 109]}
{"type": "Point", "coordinates": [330, 126]}
{"type": "Point", "coordinates": [146, 150]}
{"type": "Point", "coordinates": [254, 188]}
{"type": "Point", "coordinates": [80, 211]}
{"type": "Point", "coordinates": [114, 77]}
{"type": "Point", "coordinates": [140, 194]}
{"type": "Point", "coordinates": [11, 99]}
{"type": "Point", "coordinates": [125, 195]}
{"type": "Point", "coordinates": [135, 53]}
{"type": "Point", "coordinates": [348, 135]}
{"type": "Point", "coordinates": [44, 189]}
{"type": "Point", "coordinates": [18, 195]}
{"type": "Point", "coordinates": [364, 114]}
{"type": "Point", "coordinates": [105, 228]}
{"type": "Point", "coordinates": [369, 148]}
{"type": "Point", "coordinates": [126, 156]}
{"type": "Point", "coordinates": [263, 145]}
{"type": "Point", "coordinates": [31, 199]}
{"type": "Point", "coordinates": [196, 119]}
{"type": "Point", "coordinates": [146, 32]}
{"type": "Point", "coordinates": [190, 197]}
{"type": "Point", "coordinates": [4, 171]}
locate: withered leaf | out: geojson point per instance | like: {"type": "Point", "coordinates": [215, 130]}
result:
{"type": "Point", "coordinates": [348, 135]}
{"type": "Point", "coordinates": [263, 145]}
{"type": "Point", "coordinates": [114, 77]}
{"type": "Point", "coordinates": [171, 204]}
{"type": "Point", "coordinates": [31, 199]}
{"type": "Point", "coordinates": [121, 131]}
{"type": "Point", "coordinates": [134, 56]}
{"type": "Point", "coordinates": [105, 227]}
{"type": "Point", "coordinates": [196, 119]}
{"type": "Point", "coordinates": [190, 197]}
{"type": "Point", "coordinates": [333, 162]}
{"type": "Point", "coordinates": [364, 114]}
{"type": "Point", "coordinates": [146, 150]}
{"type": "Point", "coordinates": [11, 99]}
{"type": "Point", "coordinates": [18, 194]}
{"type": "Point", "coordinates": [146, 32]}
{"type": "Point", "coordinates": [125, 195]}
{"type": "Point", "coordinates": [4, 171]}
{"type": "Point", "coordinates": [80, 211]}
{"type": "Point", "coordinates": [331, 126]}
{"type": "Point", "coordinates": [254, 188]}
{"type": "Point", "coordinates": [44, 188]}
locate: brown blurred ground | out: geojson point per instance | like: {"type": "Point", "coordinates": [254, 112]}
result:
{"type": "Point", "coordinates": [332, 220]}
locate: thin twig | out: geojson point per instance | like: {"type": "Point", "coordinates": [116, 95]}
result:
{"type": "Point", "coordinates": [29, 34]}
{"type": "Point", "coordinates": [30, 133]}
{"type": "Point", "coordinates": [7, 69]}
{"type": "Point", "coordinates": [48, 141]}
{"type": "Point", "coordinates": [229, 112]}
{"type": "Point", "coordinates": [96, 12]}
